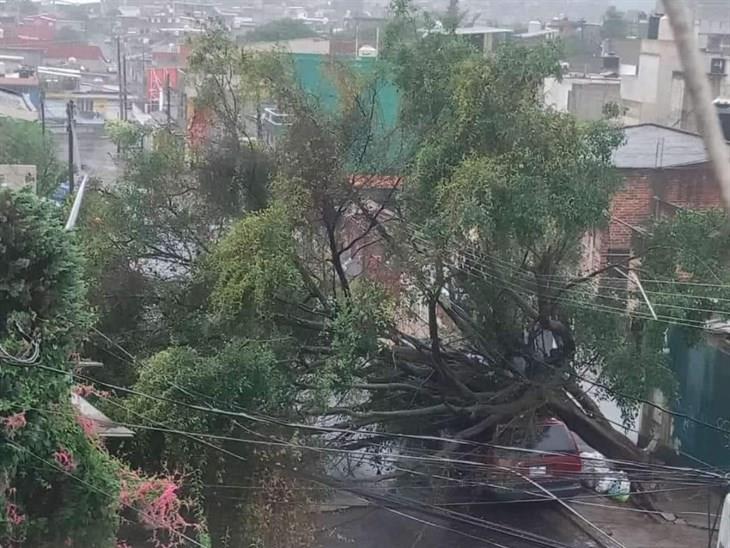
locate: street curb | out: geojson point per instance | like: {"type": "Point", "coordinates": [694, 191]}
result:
{"type": "Point", "coordinates": [588, 531]}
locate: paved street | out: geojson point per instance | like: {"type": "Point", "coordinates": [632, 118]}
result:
{"type": "Point", "coordinates": [372, 527]}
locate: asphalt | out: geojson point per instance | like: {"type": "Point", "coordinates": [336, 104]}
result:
{"type": "Point", "coordinates": [374, 527]}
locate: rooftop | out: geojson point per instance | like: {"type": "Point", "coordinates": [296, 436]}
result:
{"type": "Point", "coordinates": [538, 33]}
{"type": "Point", "coordinates": [482, 30]}
{"type": "Point", "coordinates": [650, 146]}
{"type": "Point", "coordinates": [14, 81]}
{"type": "Point", "coordinates": [17, 106]}
{"type": "Point", "coordinates": [81, 52]}
{"type": "Point", "coordinates": [102, 424]}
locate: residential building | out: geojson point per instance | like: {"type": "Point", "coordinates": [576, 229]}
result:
{"type": "Point", "coordinates": [23, 83]}
{"type": "Point", "coordinates": [485, 39]}
{"type": "Point", "coordinates": [73, 55]}
{"type": "Point", "coordinates": [656, 93]}
{"type": "Point", "coordinates": [17, 106]}
{"type": "Point", "coordinates": [86, 56]}
{"type": "Point", "coordinates": [664, 169]}
{"type": "Point", "coordinates": [585, 96]}
{"type": "Point", "coordinates": [536, 34]}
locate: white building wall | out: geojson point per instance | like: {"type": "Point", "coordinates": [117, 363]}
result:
{"type": "Point", "coordinates": [18, 176]}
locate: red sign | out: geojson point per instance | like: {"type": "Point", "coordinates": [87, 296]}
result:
{"type": "Point", "coordinates": [157, 80]}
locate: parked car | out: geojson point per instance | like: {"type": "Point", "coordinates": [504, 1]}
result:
{"type": "Point", "coordinates": [545, 454]}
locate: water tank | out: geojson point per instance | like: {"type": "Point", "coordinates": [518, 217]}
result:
{"type": "Point", "coordinates": [534, 26]}
{"type": "Point", "coordinates": [367, 51]}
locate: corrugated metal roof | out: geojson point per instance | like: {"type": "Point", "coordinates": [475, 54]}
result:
{"type": "Point", "coordinates": [81, 52]}
{"type": "Point", "coordinates": [649, 146]}
{"type": "Point", "coordinates": [17, 106]}
{"type": "Point", "coordinates": [103, 425]}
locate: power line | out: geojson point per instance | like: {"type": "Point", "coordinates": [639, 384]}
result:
{"type": "Point", "coordinates": [505, 530]}
{"type": "Point", "coordinates": [527, 273]}
{"type": "Point", "coordinates": [269, 420]}
{"type": "Point", "coordinates": [323, 429]}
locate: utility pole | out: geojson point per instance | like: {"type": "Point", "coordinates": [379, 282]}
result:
{"type": "Point", "coordinates": [119, 78]}
{"type": "Point", "coordinates": [124, 92]}
{"type": "Point", "coordinates": [167, 99]}
{"type": "Point", "coordinates": [699, 91]}
{"type": "Point", "coordinates": [70, 131]}
{"type": "Point", "coordinates": [43, 111]}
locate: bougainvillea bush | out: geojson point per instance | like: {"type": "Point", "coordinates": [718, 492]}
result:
{"type": "Point", "coordinates": [58, 485]}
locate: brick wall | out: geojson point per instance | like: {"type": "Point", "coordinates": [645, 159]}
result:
{"type": "Point", "coordinates": [652, 193]}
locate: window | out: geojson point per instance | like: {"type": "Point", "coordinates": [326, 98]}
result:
{"type": "Point", "coordinates": [717, 66]}
{"type": "Point", "coordinates": [615, 278]}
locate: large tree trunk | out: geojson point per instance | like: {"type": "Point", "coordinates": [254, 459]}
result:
{"type": "Point", "coordinates": [596, 431]}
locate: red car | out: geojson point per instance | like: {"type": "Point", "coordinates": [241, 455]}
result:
{"type": "Point", "coordinates": [545, 457]}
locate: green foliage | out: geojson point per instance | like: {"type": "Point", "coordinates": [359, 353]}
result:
{"type": "Point", "coordinates": [280, 30]}
{"type": "Point", "coordinates": [41, 293]}
{"type": "Point", "coordinates": [125, 134]}
{"type": "Point", "coordinates": [685, 267]}
{"type": "Point", "coordinates": [493, 154]}
{"type": "Point", "coordinates": [24, 143]}
{"type": "Point", "coordinates": [242, 375]}
{"type": "Point", "coordinates": [360, 324]}
{"type": "Point", "coordinates": [40, 282]}
{"type": "Point", "coordinates": [254, 264]}
{"type": "Point", "coordinates": [233, 170]}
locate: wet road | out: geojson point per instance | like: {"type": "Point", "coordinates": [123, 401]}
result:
{"type": "Point", "coordinates": [373, 527]}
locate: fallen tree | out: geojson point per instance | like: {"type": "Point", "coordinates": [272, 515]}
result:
{"type": "Point", "coordinates": [478, 311]}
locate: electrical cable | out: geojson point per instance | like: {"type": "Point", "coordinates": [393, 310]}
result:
{"type": "Point", "coordinates": [532, 279]}
{"type": "Point", "coordinates": [479, 259]}
{"type": "Point", "coordinates": [491, 526]}
{"type": "Point", "coordinates": [423, 438]}
{"type": "Point", "coordinates": [272, 420]}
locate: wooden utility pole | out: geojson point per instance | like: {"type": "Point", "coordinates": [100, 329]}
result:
{"type": "Point", "coordinates": [70, 131]}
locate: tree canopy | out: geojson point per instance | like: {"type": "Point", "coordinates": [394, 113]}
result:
{"type": "Point", "coordinates": [424, 281]}
{"type": "Point", "coordinates": [280, 30]}
{"type": "Point", "coordinates": [24, 143]}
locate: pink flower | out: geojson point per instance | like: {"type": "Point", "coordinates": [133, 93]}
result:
{"type": "Point", "coordinates": [159, 506]}
{"type": "Point", "coordinates": [65, 460]}
{"type": "Point", "coordinates": [14, 422]}
{"type": "Point", "coordinates": [87, 425]}
{"type": "Point", "coordinates": [14, 516]}
{"type": "Point", "coordinates": [86, 390]}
